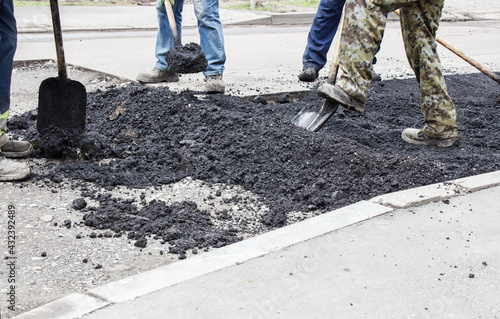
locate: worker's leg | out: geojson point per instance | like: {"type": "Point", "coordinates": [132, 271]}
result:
{"type": "Point", "coordinates": [419, 23]}
{"type": "Point", "coordinates": [211, 36]}
{"type": "Point", "coordinates": [9, 170]}
{"type": "Point", "coordinates": [164, 38]}
{"type": "Point", "coordinates": [364, 27]}
{"type": "Point", "coordinates": [8, 44]}
{"type": "Point", "coordinates": [322, 32]}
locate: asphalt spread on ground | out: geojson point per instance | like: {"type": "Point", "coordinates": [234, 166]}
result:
{"type": "Point", "coordinates": [152, 137]}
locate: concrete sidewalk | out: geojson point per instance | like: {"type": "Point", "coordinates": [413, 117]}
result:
{"type": "Point", "coordinates": [429, 252]}
{"type": "Point", "coordinates": [107, 18]}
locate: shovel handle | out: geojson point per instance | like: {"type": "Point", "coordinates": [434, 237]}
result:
{"type": "Point", "coordinates": [464, 56]}
{"type": "Point", "coordinates": [56, 25]}
{"type": "Point", "coordinates": [334, 67]}
{"type": "Point", "coordinates": [171, 22]}
{"type": "Point", "coordinates": [468, 59]}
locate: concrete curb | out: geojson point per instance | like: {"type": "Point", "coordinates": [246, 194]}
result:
{"type": "Point", "coordinates": [37, 19]}
{"type": "Point", "coordinates": [436, 192]}
{"type": "Point", "coordinates": [77, 305]}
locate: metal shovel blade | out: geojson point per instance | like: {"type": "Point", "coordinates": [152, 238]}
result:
{"type": "Point", "coordinates": [61, 103]}
{"type": "Point", "coordinates": [312, 118]}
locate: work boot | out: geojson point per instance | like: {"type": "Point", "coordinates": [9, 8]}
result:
{"type": "Point", "coordinates": [375, 76]}
{"type": "Point", "coordinates": [308, 74]}
{"type": "Point", "coordinates": [337, 95]}
{"type": "Point", "coordinates": [156, 76]}
{"type": "Point", "coordinates": [12, 171]}
{"type": "Point", "coordinates": [417, 136]}
{"type": "Point", "coordinates": [16, 149]}
{"type": "Point", "coordinates": [214, 84]}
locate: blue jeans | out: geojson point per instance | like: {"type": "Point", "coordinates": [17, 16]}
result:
{"type": "Point", "coordinates": [322, 32]}
{"type": "Point", "coordinates": [8, 44]}
{"type": "Point", "coordinates": [209, 27]}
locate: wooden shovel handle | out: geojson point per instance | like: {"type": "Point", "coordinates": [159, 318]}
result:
{"type": "Point", "coordinates": [468, 59]}
{"type": "Point", "coordinates": [464, 56]}
{"type": "Point", "coordinates": [334, 67]}
{"type": "Point", "coordinates": [171, 22]}
{"type": "Point", "coordinates": [56, 25]}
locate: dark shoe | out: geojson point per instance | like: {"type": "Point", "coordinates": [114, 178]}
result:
{"type": "Point", "coordinates": [308, 74]}
{"type": "Point", "coordinates": [214, 84]}
{"type": "Point", "coordinates": [416, 136]}
{"type": "Point", "coordinates": [375, 76]}
{"type": "Point", "coordinates": [156, 76]}
{"type": "Point", "coordinates": [16, 149]}
{"type": "Point", "coordinates": [12, 171]}
{"type": "Point", "coordinates": [336, 94]}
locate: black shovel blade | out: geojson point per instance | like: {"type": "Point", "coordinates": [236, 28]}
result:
{"type": "Point", "coordinates": [312, 118]}
{"type": "Point", "coordinates": [62, 103]}
{"type": "Point", "coordinates": [186, 59]}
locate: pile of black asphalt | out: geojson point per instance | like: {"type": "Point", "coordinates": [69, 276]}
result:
{"type": "Point", "coordinates": [152, 137]}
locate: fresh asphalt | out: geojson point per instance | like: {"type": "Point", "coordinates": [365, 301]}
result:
{"type": "Point", "coordinates": [430, 252]}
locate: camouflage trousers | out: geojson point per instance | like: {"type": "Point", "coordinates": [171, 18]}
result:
{"type": "Point", "coordinates": [363, 30]}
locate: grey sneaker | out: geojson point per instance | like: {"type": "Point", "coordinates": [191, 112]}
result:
{"type": "Point", "coordinates": [336, 94]}
{"type": "Point", "coordinates": [214, 84]}
{"type": "Point", "coordinates": [308, 74]}
{"type": "Point", "coordinates": [156, 76]}
{"type": "Point", "coordinates": [16, 149]}
{"type": "Point", "coordinates": [12, 171]}
{"type": "Point", "coordinates": [417, 136]}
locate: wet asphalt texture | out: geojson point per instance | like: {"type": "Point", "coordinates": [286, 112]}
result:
{"type": "Point", "coordinates": [138, 136]}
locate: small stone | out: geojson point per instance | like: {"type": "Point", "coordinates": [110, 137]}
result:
{"type": "Point", "coordinates": [283, 98]}
{"type": "Point", "coordinates": [260, 99]}
{"type": "Point", "coordinates": [67, 223]}
{"type": "Point", "coordinates": [79, 204]}
{"type": "Point", "coordinates": [141, 242]}
{"type": "Point", "coordinates": [46, 218]}
{"type": "Point", "coordinates": [43, 254]}
{"type": "Point", "coordinates": [56, 179]}
{"type": "Point", "coordinates": [98, 266]}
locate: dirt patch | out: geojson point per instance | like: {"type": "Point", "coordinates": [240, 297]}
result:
{"type": "Point", "coordinates": [140, 137]}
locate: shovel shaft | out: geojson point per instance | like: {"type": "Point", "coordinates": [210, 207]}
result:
{"type": "Point", "coordinates": [468, 59]}
{"type": "Point", "coordinates": [171, 22]}
{"type": "Point", "coordinates": [334, 67]}
{"type": "Point", "coordinates": [56, 24]}
{"type": "Point", "coordinates": [464, 56]}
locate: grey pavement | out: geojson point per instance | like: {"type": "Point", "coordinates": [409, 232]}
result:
{"type": "Point", "coordinates": [429, 252]}
{"type": "Point", "coordinates": [86, 18]}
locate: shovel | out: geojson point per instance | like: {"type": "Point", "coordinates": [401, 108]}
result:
{"type": "Point", "coordinates": [183, 59]}
{"type": "Point", "coordinates": [61, 102]}
{"type": "Point", "coordinates": [312, 118]}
